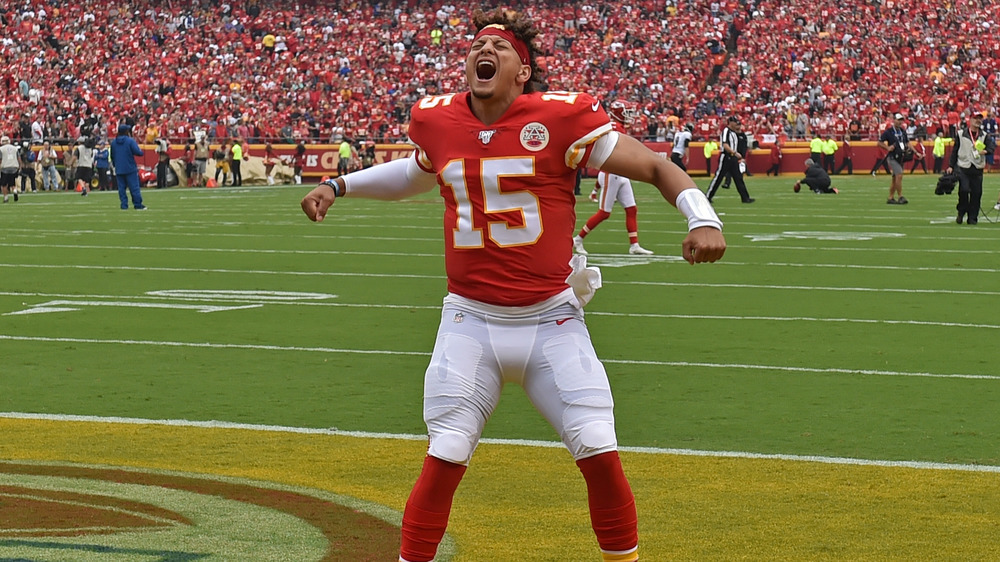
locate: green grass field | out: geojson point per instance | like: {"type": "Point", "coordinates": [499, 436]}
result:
{"type": "Point", "coordinates": [836, 326]}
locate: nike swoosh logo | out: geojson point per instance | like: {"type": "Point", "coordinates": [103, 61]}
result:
{"type": "Point", "coordinates": [563, 321]}
{"type": "Point", "coordinates": [595, 106]}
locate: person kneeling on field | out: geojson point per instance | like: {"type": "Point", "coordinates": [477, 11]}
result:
{"type": "Point", "coordinates": [816, 179]}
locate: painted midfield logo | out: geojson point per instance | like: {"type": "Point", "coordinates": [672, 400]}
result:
{"type": "Point", "coordinates": [69, 512]}
{"type": "Point", "coordinates": [820, 235]}
{"type": "Point", "coordinates": [207, 300]}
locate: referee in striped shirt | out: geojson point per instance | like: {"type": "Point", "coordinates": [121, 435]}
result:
{"type": "Point", "coordinates": [732, 163]}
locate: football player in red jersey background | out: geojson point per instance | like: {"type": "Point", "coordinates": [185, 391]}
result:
{"type": "Point", "coordinates": [615, 188]}
{"type": "Point", "coordinates": [504, 155]}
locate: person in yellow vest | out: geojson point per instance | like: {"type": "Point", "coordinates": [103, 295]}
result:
{"type": "Point", "coordinates": [436, 35]}
{"type": "Point", "coordinates": [816, 148]}
{"type": "Point", "coordinates": [830, 147]}
{"type": "Point", "coordinates": [710, 147]}
{"type": "Point", "coordinates": [345, 152]}
{"type": "Point", "coordinates": [237, 151]}
{"type": "Point", "coordinates": [940, 144]}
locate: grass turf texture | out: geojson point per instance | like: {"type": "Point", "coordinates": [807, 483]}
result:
{"type": "Point", "coordinates": [836, 325]}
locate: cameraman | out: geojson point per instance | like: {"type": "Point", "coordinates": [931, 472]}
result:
{"type": "Point", "coordinates": [162, 162]}
{"type": "Point", "coordinates": [969, 158]}
{"type": "Point", "coordinates": [48, 157]}
{"type": "Point", "coordinates": [26, 158]}
{"type": "Point", "coordinates": [85, 159]}
{"type": "Point", "coordinates": [897, 144]}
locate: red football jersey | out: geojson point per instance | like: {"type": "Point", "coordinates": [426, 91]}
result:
{"type": "Point", "coordinates": [508, 187]}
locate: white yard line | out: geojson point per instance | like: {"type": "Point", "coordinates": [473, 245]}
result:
{"type": "Point", "coordinates": [518, 442]}
{"type": "Point", "coordinates": [390, 352]}
{"type": "Point", "coordinates": [908, 290]}
{"type": "Point", "coordinates": [312, 301]}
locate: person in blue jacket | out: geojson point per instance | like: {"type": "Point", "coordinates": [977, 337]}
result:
{"type": "Point", "coordinates": [102, 165]}
{"type": "Point", "coordinates": [124, 149]}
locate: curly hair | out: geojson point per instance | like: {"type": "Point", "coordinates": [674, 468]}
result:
{"type": "Point", "coordinates": [523, 29]}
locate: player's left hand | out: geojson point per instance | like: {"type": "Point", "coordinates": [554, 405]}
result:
{"type": "Point", "coordinates": [316, 203]}
{"type": "Point", "coordinates": [704, 244]}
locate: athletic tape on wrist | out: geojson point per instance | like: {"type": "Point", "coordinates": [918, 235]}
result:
{"type": "Point", "coordinates": [693, 204]}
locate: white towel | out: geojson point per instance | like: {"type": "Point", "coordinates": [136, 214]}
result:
{"type": "Point", "coordinates": [584, 280]}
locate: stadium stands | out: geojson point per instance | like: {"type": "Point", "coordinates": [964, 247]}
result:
{"type": "Point", "coordinates": [269, 70]}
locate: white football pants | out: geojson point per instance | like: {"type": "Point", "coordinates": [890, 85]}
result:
{"type": "Point", "coordinates": [615, 188]}
{"type": "Point", "coordinates": [549, 354]}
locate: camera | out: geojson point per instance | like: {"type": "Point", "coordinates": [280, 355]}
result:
{"type": "Point", "coordinates": [946, 184]}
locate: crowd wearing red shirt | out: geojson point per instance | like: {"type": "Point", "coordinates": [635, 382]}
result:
{"type": "Point", "coordinates": [280, 71]}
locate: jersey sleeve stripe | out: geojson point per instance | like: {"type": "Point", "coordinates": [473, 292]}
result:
{"type": "Point", "coordinates": [422, 161]}
{"type": "Point", "coordinates": [576, 152]}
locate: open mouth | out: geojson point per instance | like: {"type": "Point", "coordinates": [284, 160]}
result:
{"type": "Point", "coordinates": [486, 70]}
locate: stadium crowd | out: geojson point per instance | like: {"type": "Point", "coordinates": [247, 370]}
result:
{"type": "Point", "coordinates": [279, 71]}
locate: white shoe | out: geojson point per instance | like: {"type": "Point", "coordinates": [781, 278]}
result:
{"type": "Point", "coordinates": [637, 250]}
{"type": "Point", "coordinates": [578, 246]}
{"type": "Point", "coordinates": [996, 207]}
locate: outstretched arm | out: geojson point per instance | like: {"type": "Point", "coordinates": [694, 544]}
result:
{"type": "Point", "coordinates": [391, 181]}
{"type": "Point", "coordinates": [630, 158]}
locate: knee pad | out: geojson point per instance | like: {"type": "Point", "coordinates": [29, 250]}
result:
{"type": "Point", "coordinates": [592, 438]}
{"type": "Point", "coordinates": [452, 446]}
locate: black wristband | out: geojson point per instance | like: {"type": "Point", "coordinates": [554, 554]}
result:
{"type": "Point", "coordinates": [332, 183]}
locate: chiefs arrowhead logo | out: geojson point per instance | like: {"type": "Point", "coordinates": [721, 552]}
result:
{"type": "Point", "coordinates": [534, 136]}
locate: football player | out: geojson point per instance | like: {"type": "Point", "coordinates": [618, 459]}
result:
{"type": "Point", "coordinates": [503, 156]}
{"type": "Point", "coordinates": [615, 188]}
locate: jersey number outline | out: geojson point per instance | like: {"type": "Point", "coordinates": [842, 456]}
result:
{"type": "Point", "coordinates": [492, 170]}
{"type": "Point", "coordinates": [565, 97]}
{"type": "Point", "coordinates": [430, 102]}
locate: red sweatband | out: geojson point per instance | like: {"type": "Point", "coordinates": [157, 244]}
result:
{"type": "Point", "coordinates": [501, 31]}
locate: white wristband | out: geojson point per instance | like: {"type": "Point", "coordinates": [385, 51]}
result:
{"type": "Point", "coordinates": [693, 204]}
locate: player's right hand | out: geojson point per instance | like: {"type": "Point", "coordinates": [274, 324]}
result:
{"type": "Point", "coordinates": [316, 203]}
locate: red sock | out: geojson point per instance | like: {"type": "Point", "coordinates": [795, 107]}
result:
{"type": "Point", "coordinates": [612, 505]}
{"type": "Point", "coordinates": [631, 225]}
{"type": "Point", "coordinates": [595, 220]}
{"type": "Point", "coordinates": [426, 515]}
